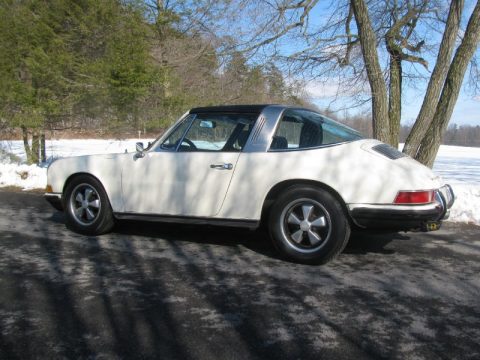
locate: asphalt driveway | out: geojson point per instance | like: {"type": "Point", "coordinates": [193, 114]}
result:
{"type": "Point", "coordinates": [169, 291]}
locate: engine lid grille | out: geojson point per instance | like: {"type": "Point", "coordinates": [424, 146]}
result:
{"type": "Point", "coordinates": [388, 151]}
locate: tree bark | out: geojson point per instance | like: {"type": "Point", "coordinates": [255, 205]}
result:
{"type": "Point", "coordinates": [381, 128]}
{"type": "Point", "coordinates": [436, 80]}
{"type": "Point", "coordinates": [395, 99]}
{"type": "Point", "coordinates": [43, 150]}
{"type": "Point", "coordinates": [28, 151]}
{"type": "Point", "coordinates": [431, 142]}
{"type": "Point", "coordinates": [35, 147]}
{"type": "Point", "coordinates": [396, 41]}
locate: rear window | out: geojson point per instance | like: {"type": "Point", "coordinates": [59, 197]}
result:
{"type": "Point", "coordinates": [301, 129]}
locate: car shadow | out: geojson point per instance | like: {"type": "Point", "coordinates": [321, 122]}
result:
{"type": "Point", "coordinates": [255, 240]}
{"type": "Point", "coordinates": [360, 243]}
{"type": "Point", "coordinates": [363, 242]}
{"type": "Point", "coordinates": [258, 241]}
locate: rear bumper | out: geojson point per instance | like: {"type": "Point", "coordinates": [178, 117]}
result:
{"type": "Point", "coordinates": [55, 200]}
{"type": "Point", "coordinates": [405, 217]}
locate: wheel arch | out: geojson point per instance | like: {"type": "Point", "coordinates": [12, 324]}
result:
{"type": "Point", "coordinates": [82, 173]}
{"type": "Point", "coordinates": [280, 187]}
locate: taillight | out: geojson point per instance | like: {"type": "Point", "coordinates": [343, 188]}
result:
{"type": "Point", "coordinates": [414, 197]}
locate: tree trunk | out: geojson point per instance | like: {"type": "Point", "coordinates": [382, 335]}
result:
{"type": "Point", "coordinates": [28, 151]}
{"type": "Point", "coordinates": [43, 149]}
{"type": "Point", "coordinates": [368, 42]}
{"type": "Point", "coordinates": [35, 147]}
{"type": "Point", "coordinates": [395, 98]}
{"type": "Point", "coordinates": [431, 142]}
{"type": "Point", "coordinates": [436, 80]}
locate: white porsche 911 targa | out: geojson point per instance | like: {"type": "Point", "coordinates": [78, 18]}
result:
{"type": "Point", "coordinates": [308, 178]}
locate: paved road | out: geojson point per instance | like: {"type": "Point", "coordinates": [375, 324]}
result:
{"type": "Point", "coordinates": [158, 291]}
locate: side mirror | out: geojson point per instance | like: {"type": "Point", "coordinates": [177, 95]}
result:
{"type": "Point", "coordinates": [140, 150]}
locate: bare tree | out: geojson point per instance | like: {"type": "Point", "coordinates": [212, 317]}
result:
{"type": "Point", "coordinates": [431, 141]}
{"type": "Point", "coordinates": [400, 48]}
{"type": "Point", "coordinates": [436, 80]}
{"type": "Point", "coordinates": [386, 34]}
{"type": "Point", "coordinates": [368, 41]}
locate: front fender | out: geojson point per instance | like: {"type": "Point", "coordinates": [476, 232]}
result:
{"type": "Point", "coordinates": [106, 168]}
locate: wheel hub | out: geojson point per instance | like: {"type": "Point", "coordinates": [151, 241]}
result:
{"type": "Point", "coordinates": [305, 225]}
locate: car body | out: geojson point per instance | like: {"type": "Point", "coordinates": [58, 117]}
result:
{"type": "Point", "coordinates": [240, 165]}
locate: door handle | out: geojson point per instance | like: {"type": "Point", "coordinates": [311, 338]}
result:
{"type": "Point", "coordinates": [222, 166]}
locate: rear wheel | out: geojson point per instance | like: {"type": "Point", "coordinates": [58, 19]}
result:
{"type": "Point", "coordinates": [87, 207]}
{"type": "Point", "coordinates": [308, 225]}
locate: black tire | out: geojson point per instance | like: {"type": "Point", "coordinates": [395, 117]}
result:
{"type": "Point", "coordinates": [317, 240]}
{"type": "Point", "coordinates": [87, 207]}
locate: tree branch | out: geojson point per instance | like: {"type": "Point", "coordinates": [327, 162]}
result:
{"type": "Point", "coordinates": [307, 7]}
{"type": "Point", "coordinates": [350, 44]}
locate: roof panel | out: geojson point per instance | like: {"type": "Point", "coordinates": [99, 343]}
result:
{"type": "Point", "coordinates": [252, 109]}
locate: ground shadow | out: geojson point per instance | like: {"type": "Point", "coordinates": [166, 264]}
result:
{"type": "Point", "coordinates": [255, 240]}
{"type": "Point", "coordinates": [361, 242]}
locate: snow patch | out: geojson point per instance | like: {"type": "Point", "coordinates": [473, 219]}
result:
{"type": "Point", "coordinates": [467, 204]}
{"type": "Point", "coordinates": [25, 176]}
{"type": "Point", "coordinates": [77, 147]}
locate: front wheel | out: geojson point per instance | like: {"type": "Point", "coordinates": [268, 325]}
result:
{"type": "Point", "coordinates": [87, 207]}
{"type": "Point", "coordinates": [308, 225]}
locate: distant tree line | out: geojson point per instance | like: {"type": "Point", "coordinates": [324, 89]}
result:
{"type": "Point", "coordinates": [461, 135]}
{"type": "Point", "coordinates": [117, 66]}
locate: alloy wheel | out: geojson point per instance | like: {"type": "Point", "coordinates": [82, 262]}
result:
{"type": "Point", "coordinates": [306, 225]}
{"type": "Point", "coordinates": [85, 204]}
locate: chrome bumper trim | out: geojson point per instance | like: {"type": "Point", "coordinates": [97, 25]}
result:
{"type": "Point", "coordinates": [404, 217]}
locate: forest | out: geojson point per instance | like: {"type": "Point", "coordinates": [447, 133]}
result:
{"type": "Point", "coordinates": [116, 67]}
{"type": "Point", "coordinates": [127, 67]}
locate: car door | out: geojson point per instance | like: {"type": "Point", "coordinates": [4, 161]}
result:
{"type": "Point", "coordinates": [189, 173]}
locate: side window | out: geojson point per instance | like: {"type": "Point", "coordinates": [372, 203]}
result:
{"type": "Point", "coordinates": [297, 131]}
{"type": "Point", "coordinates": [218, 132]}
{"type": "Point", "coordinates": [172, 140]}
{"type": "Point", "coordinates": [301, 129]}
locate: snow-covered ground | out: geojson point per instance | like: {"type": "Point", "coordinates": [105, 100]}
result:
{"type": "Point", "coordinates": [459, 166]}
